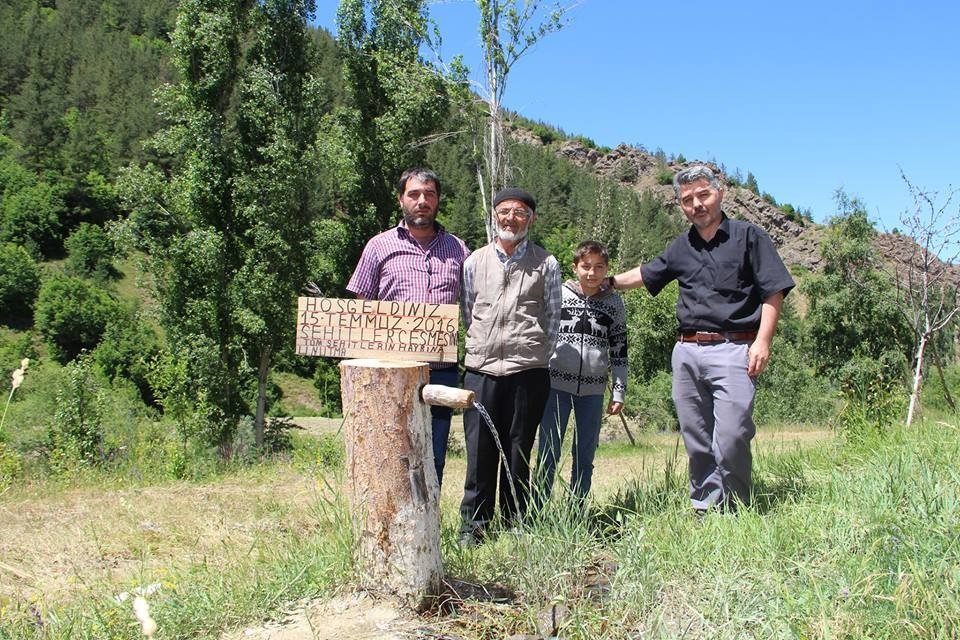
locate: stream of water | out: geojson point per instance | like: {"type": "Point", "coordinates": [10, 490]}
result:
{"type": "Point", "coordinates": [503, 456]}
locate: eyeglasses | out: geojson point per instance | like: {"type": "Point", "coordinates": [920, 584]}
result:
{"type": "Point", "coordinates": [516, 212]}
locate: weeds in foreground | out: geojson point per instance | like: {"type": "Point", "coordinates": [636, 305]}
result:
{"type": "Point", "coordinates": [843, 540]}
{"type": "Point", "coordinates": [849, 542]}
{"type": "Point", "coordinates": [281, 552]}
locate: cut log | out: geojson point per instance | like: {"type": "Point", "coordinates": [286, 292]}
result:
{"type": "Point", "coordinates": [391, 481]}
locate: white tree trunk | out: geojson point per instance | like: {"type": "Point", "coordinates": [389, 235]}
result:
{"type": "Point", "coordinates": [391, 481]}
{"type": "Point", "coordinates": [917, 378]}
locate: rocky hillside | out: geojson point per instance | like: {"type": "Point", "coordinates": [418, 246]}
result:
{"type": "Point", "coordinates": [798, 242]}
{"type": "Point", "coordinates": [631, 166]}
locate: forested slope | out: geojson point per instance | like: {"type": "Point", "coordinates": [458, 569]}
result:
{"type": "Point", "coordinates": [102, 182]}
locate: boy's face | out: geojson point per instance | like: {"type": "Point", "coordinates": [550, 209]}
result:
{"type": "Point", "coordinates": [590, 270]}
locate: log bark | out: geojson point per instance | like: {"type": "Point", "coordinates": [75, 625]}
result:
{"type": "Point", "coordinates": [392, 484]}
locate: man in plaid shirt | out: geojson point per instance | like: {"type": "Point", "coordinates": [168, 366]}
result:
{"type": "Point", "coordinates": [416, 261]}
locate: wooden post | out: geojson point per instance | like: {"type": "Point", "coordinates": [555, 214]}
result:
{"type": "Point", "coordinates": [392, 484]}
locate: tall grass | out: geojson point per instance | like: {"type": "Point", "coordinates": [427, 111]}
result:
{"type": "Point", "coordinates": [253, 576]}
{"type": "Point", "coordinates": [846, 541]}
{"type": "Point", "coordinates": [852, 538]}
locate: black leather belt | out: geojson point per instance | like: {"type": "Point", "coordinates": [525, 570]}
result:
{"type": "Point", "coordinates": [713, 337]}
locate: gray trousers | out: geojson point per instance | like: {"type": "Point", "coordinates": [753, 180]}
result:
{"type": "Point", "coordinates": [714, 399]}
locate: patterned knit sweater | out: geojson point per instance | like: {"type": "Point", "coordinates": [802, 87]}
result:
{"type": "Point", "coordinates": [591, 342]}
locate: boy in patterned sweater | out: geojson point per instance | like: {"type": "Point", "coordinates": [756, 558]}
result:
{"type": "Point", "coordinates": [591, 343]}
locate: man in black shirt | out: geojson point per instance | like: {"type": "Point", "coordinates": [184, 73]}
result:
{"type": "Point", "coordinates": [732, 285]}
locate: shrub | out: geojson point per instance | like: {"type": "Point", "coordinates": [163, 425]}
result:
{"type": "Point", "coordinates": [545, 133]}
{"type": "Point", "coordinates": [14, 347]}
{"type": "Point", "coordinates": [90, 253]}
{"type": "Point", "coordinates": [790, 389]}
{"type": "Point", "coordinates": [651, 403]}
{"type": "Point", "coordinates": [19, 283]}
{"type": "Point", "coordinates": [276, 434]}
{"type": "Point", "coordinates": [13, 176]}
{"type": "Point", "coordinates": [33, 403]}
{"type": "Point", "coordinates": [33, 217]}
{"type": "Point", "coordinates": [199, 420]}
{"type": "Point", "coordinates": [664, 176]}
{"type": "Point", "coordinates": [585, 141]}
{"type": "Point", "coordinates": [874, 394]}
{"type": "Point", "coordinates": [324, 453]}
{"type": "Point", "coordinates": [76, 435]}
{"type": "Point", "coordinates": [126, 348]}
{"type": "Point", "coordinates": [793, 214]}
{"type": "Point", "coordinates": [11, 465]}
{"type": "Point", "coordinates": [326, 379]}
{"type": "Point", "coordinates": [651, 331]}
{"type": "Point", "coordinates": [625, 171]}
{"type": "Point", "coordinates": [71, 315]}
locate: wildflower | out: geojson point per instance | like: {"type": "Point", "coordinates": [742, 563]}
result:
{"type": "Point", "coordinates": [15, 382]}
{"type": "Point", "coordinates": [145, 590]}
{"type": "Point", "coordinates": [142, 610]}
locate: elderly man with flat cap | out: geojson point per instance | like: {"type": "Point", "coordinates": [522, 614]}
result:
{"type": "Point", "coordinates": [511, 310]}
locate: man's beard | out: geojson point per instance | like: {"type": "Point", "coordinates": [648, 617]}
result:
{"type": "Point", "coordinates": [510, 236]}
{"type": "Point", "coordinates": [418, 219]}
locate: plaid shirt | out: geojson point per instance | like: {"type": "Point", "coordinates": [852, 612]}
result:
{"type": "Point", "coordinates": [393, 266]}
{"type": "Point", "coordinates": [551, 311]}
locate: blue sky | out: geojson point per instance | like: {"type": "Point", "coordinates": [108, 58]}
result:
{"type": "Point", "coordinates": [808, 96]}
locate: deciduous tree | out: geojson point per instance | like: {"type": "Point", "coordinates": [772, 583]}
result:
{"type": "Point", "coordinates": [277, 124]}
{"type": "Point", "coordinates": [926, 278]}
{"type": "Point", "coordinates": [228, 235]}
{"type": "Point", "coordinates": [857, 336]}
{"type": "Point", "coordinates": [394, 101]}
{"type": "Point", "coordinates": [508, 29]}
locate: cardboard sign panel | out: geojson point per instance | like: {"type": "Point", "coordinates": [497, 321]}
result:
{"type": "Point", "coordinates": [347, 328]}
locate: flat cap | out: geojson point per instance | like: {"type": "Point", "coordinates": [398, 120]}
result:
{"type": "Point", "coordinates": [513, 193]}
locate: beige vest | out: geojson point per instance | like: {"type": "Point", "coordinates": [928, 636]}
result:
{"type": "Point", "coordinates": [507, 331]}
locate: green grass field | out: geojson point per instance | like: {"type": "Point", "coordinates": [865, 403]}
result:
{"type": "Point", "coordinates": [844, 540]}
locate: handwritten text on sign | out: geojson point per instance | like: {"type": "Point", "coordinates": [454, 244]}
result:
{"type": "Point", "coordinates": [346, 328]}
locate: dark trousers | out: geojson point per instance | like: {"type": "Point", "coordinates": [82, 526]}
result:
{"type": "Point", "coordinates": [515, 403]}
{"type": "Point", "coordinates": [440, 419]}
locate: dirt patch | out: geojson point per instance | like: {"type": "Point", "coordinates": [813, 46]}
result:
{"type": "Point", "coordinates": [52, 545]}
{"type": "Point", "coordinates": [319, 426]}
{"type": "Point", "coordinates": [357, 616]}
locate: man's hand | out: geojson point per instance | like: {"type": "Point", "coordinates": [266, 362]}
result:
{"type": "Point", "coordinates": [614, 408]}
{"type": "Point", "coordinates": [759, 354]}
{"type": "Point", "coordinates": [757, 357]}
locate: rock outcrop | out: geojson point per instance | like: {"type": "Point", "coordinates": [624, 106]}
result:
{"type": "Point", "coordinates": [798, 242]}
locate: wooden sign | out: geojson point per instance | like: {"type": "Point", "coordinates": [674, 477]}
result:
{"type": "Point", "coordinates": [347, 328]}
